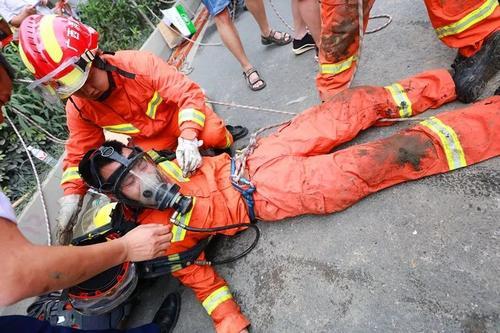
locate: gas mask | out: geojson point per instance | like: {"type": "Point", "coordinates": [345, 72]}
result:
{"type": "Point", "coordinates": [139, 182]}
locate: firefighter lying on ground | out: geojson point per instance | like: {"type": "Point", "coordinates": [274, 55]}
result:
{"type": "Point", "coordinates": [131, 92]}
{"type": "Point", "coordinates": [294, 172]}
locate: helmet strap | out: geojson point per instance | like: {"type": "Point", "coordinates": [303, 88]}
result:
{"type": "Point", "coordinates": [103, 65]}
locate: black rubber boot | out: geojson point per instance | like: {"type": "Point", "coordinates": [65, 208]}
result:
{"type": "Point", "coordinates": [168, 313]}
{"type": "Point", "coordinates": [238, 132]}
{"type": "Point", "coordinates": [472, 73]}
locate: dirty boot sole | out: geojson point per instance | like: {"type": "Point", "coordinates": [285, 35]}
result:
{"type": "Point", "coordinates": [472, 74]}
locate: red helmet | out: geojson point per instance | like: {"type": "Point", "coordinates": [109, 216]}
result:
{"type": "Point", "coordinates": [58, 50]}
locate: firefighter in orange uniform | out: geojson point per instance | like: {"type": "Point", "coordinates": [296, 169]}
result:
{"type": "Point", "coordinates": [130, 92]}
{"type": "Point", "coordinates": [293, 171]}
{"type": "Point", "coordinates": [470, 26]}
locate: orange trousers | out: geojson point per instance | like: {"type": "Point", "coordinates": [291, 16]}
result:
{"type": "Point", "coordinates": [296, 173]}
{"type": "Point", "coordinates": [461, 24]}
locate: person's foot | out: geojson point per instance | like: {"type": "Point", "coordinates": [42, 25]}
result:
{"type": "Point", "coordinates": [276, 37]}
{"type": "Point", "coordinates": [168, 313]}
{"type": "Point", "coordinates": [304, 44]}
{"type": "Point", "coordinates": [254, 80]}
{"type": "Point", "coordinates": [472, 73]}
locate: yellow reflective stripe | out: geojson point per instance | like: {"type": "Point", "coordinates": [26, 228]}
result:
{"type": "Point", "coordinates": [192, 115]}
{"type": "Point", "coordinates": [449, 141]}
{"type": "Point", "coordinates": [153, 105]}
{"type": "Point", "coordinates": [176, 267]}
{"type": "Point", "coordinates": [28, 64]}
{"type": "Point", "coordinates": [338, 67]}
{"type": "Point", "coordinates": [174, 171]}
{"type": "Point", "coordinates": [122, 128]}
{"type": "Point", "coordinates": [48, 37]}
{"type": "Point", "coordinates": [401, 99]}
{"type": "Point", "coordinates": [153, 154]}
{"type": "Point", "coordinates": [70, 174]}
{"type": "Point", "coordinates": [486, 9]}
{"type": "Point", "coordinates": [174, 257]}
{"type": "Point", "coordinates": [178, 234]}
{"type": "Point", "coordinates": [216, 298]}
{"type": "Point", "coordinates": [228, 139]}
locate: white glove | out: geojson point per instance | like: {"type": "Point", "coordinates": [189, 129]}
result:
{"type": "Point", "coordinates": [68, 213]}
{"type": "Point", "coordinates": [188, 155]}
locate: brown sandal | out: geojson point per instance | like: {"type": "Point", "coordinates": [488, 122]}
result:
{"type": "Point", "coordinates": [283, 40]}
{"type": "Point", "coordinates": [250, 84]}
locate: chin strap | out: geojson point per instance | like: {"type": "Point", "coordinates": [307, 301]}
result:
{"type": "Point", "coordinates": [103, 65]}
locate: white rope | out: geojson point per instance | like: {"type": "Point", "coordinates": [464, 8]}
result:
{"type": "Point", "coordinates": [50, 136]}
{"type": "Point", "coordinates": [240, 158]}
{"type": "Point", "coordinates": [279, 16]}
{"type": "Point", "coordinates": [258, 108]}
{"type": "Point", "coordinates": [383, 26]}
{"type": "Point", "coordinates": [388, 17]}
{"type": "Point", "coordinates": [37, 178]}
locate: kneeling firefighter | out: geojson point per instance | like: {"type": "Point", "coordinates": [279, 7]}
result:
{"type": "Point", "coordinates": [134, 93]}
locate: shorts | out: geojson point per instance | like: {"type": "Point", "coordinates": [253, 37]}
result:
{"type": "Point", "coordinates": [215, 6]}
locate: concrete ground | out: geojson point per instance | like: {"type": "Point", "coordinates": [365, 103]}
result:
{"type": "Point", "coordinates": [419, 257]}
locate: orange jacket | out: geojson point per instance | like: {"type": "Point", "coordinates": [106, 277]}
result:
{"type": "Point", "coordinates": [142, 108]}
{"type": "Point", "coordinates": [216, 203]}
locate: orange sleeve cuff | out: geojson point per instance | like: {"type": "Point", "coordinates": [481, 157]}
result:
{"type": "Point", "coordinates": [228, 318]}
{"type": "Point", "coordinates": [71, 188]}
{"type": "Point", "coordinates": [190, 124]}
{"type": "Point", "coordinates": [189, 133]}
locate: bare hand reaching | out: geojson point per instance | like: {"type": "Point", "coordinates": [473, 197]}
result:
{"type": "Point", "coordinates": [28, 10]}
{"type": "Point", "coordinates": [146, 242]}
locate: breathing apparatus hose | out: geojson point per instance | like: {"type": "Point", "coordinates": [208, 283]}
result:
{"type": "Point", "coordinates": [222, 228]}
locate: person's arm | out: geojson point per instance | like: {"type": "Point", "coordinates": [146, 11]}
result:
{"type": "Point", "coordinates": [174, 86]}
{"type": "Point", "coordinates": [16, 20]}
{"type": "Point", "coordinates": [29, 270]}
{"type": "Point", "coordinates": [213, 292]}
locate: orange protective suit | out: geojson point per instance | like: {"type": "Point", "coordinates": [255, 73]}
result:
{"type": "Point", "coordinates": [295, 173]}
{"type": "Point", "coordinates": [461, 24]}
{"type": "Point", "coordinates": [153, 108]}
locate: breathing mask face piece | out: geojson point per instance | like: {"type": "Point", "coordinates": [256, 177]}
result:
{"type": "Point", "coordinates": [139, 182]}
{"type": "Point", "coordinates": [146, 184]}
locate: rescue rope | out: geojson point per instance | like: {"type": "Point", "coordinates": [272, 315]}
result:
{"type": "Point", "coordinates": [250, 107]}
{"type": "Point", "coordinates": [240, 158]}
{"type": "Point", "coordinates": [37, 178]}
{"type": "Point", "coordinates": [50, 136]}
{"type": "Point", "coordinates": [388, 17]}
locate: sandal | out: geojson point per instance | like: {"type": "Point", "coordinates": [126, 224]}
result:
{"type": "Point", "coordinates": [283, 40]}
{"type": "Point", "coordinates": [252, 85]}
